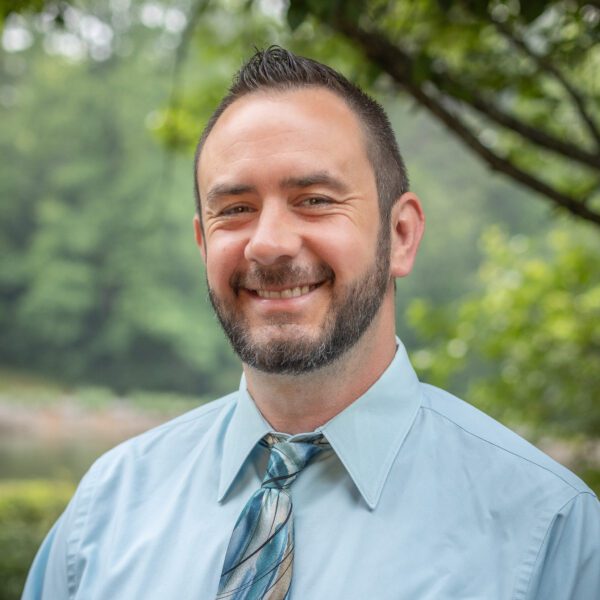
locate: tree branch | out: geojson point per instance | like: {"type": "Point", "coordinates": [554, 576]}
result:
{"type": "Point", "coordinates": [182, 49]}
{"type": "Point", "coordinates": [397, 64]}
{"type": "Point", "coordinates": [545, 65]}
{"type": "Point", "coordinates": [502, 165]}
{"type": "Point", "coordinates": [167, 171]}
{"type": "Point", "coordinates": [534, 135]}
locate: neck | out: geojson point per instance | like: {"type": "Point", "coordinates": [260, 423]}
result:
{"type": "Point", "coordinates": [301, 403]}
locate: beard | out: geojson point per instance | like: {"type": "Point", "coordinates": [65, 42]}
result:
{"type": "Point", "coordinates": [351, 311]}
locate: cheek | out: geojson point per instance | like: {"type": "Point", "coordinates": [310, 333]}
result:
{"type": "Point", "coordinates": [222, 260]}
{"type": "Point", "coordinates": [348, 253]}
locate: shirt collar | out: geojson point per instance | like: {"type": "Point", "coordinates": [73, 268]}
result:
{"type": "Point", "coordinates": [246, 428]}
{"type": "Point", "coordinates": [366, 436]}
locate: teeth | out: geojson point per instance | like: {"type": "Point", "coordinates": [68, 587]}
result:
{"type": "Point", "coordinates": [288, 293]}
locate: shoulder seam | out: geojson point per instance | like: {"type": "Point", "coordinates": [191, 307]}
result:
{"type": "Point", "coordinates": [183, 419]}
{"type": "Point", "coordinates": [543, 541]}
{"type": "Point", "coordinates": [81, 507]}
{"type": "Point", "coordinates": [578, 491]}
{"type": "Point", "coordinates": [88, 487]}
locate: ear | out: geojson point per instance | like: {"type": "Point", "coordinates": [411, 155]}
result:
{"type": "Point", "coordinates": [408, 224]}
{"type": "Point", "coordinates": [199, 235]}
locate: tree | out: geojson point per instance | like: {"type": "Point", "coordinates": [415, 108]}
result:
{"type": "Point", "coordinates": [525, 347]}
{"type": "Point", "coordinates": [99, 277]}
{"type": "Point", "coordinates": [515, 82]}
{"type": "Point", "coordinates": [73, 290]}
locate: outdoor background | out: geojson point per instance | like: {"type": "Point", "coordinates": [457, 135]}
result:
{"type": "Point", "coordinates": [105, 328]}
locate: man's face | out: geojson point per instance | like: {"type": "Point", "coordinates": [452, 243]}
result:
{"type": "Point", "coordinates": [297, 261]}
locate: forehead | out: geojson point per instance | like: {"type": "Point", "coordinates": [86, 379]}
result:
{"type": "Point", "coordinates": [283, 131]}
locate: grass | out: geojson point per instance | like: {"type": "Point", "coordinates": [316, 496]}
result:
{"type": "Point", "coordinates": [27, 511]}
{"type": "Point", "coordinates": [27, 389]}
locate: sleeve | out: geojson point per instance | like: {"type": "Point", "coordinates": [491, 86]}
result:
{"type": "Point", "coordinates": [56, 569]}
{"type": "Point", "coordinates": [568, 564]}
{"type": "Point", "coordinates": [48, 574]}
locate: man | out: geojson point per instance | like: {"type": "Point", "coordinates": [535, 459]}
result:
{"type": "Point", "coordinates": [376, 486]}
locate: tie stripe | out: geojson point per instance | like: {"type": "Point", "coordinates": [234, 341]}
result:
{"type": "Point", "coordinates": [258, 561]}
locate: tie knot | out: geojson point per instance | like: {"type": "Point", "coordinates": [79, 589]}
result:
{"type": "Point", "coordinates": [287, 458]}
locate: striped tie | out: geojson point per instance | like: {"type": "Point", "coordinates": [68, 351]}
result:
{"type": "Point", "coordinates": [258, 563]}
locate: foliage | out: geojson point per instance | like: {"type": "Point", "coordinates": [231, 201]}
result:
{"type": "Point", "coordinates": [533, 329]}
{"type": "Point", "coordinates": [525, 346]}
{"type": "Point", "coordinates": [27, 511]}
{"type": "Point", "coordinates": [8, 7]}
{"type": "Point", "coordinates": [100, 281]}
{"type": "Point", "coordinates": [99, 275]}
{"type": "Point", "coordinates": [514, 81]}
{"type": "Point", "coordinates": [33, 391]}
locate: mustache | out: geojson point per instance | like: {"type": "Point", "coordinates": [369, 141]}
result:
{"type": "Point", "coordinates": [284, 275]}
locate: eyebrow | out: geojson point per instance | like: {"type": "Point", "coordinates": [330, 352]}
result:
{"type": "Point", "coordinates": [316, 178]}
{"type": "Point", "coordinates": [303, 181]}
{"type": "Point", "coordinates": [225, 189]}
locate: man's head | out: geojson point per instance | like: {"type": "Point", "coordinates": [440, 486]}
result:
{"type": "Point", "coordinates": [299, 258]}
{"type": "Point", "coordinates": [278, 69]}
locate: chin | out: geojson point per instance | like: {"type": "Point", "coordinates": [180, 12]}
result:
{"type": "Point", "coordinates": [287, 332]}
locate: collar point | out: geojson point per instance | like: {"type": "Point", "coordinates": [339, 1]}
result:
{"type": "Point", "coordinates": [371, 504]}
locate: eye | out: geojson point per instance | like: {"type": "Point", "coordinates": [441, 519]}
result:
{"type": "Point", "coordinates": [316, 201]}
{"type": "Point", "coordinates": [238, 209]}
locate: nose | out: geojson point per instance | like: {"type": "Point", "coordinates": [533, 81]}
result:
{"type": "Point", "coordinates": [274, 237]}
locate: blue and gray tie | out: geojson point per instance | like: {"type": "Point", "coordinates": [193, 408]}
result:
{"type": "Point", "coordinates": [258, 562]}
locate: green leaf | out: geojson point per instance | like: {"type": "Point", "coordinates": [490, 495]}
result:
{"type": "Point", "coordinates": [532, 9]}
{"type": "Point", "coordinates": [297, 13]}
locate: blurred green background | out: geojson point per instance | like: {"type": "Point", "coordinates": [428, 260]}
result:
{"type": "Point", "coordinates": [105, 326]}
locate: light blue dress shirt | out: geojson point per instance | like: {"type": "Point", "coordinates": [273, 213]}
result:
{"type": "Point", "coordinates": [423, 498]}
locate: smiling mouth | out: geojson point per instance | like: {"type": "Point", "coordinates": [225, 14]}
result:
{"type": "Point", "coordinates": [293, 292]}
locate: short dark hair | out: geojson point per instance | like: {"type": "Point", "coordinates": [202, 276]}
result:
{"type": "Point", "coordinates": [279, 69]}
